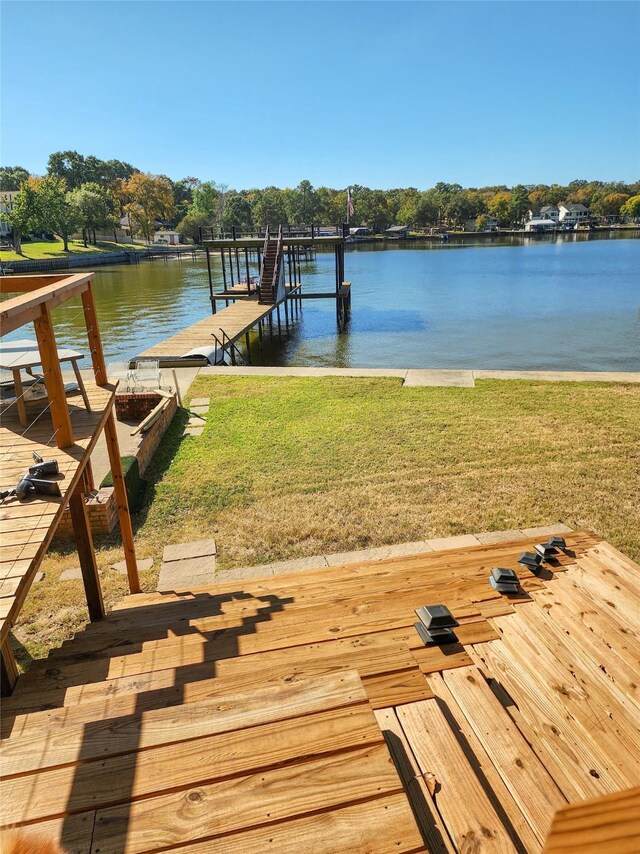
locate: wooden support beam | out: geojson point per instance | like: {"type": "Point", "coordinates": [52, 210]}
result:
{"type": "Point", "coordinates": [120, 491]}
{"type": "Point", "coordinates": [93, 334]}
{"type": "Point", "coordinates": [9, 669]}
{"type": "Point", "coordinates": [87, 556]}
{"type": "Point", "coordinates": [54, 383]}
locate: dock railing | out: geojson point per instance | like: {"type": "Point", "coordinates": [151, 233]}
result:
{"type": "Point", "coordinates": [312, 230]}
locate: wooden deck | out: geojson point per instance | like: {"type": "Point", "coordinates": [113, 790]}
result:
{"type": "Point", "coordinates": [235, 322]}
{"type": "Point", "coordinates": [301, 712]}
{"type": "Point", "coordinates": [26, 528]}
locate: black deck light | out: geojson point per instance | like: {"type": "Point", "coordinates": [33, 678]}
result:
{"type": "Point", "coordinates": [504, 580]}
{"type": "Point", "coordinates": [545, 550]}
{"type": "Point", "coordinates": [531, 560]}
{"type": "Point", "coordinates": [557, 543]}
{"type": "Point", "coordinates": [436, 624]}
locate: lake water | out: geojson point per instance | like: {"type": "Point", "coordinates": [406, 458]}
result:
{"type": "Point", "coordinates": [566, 303]}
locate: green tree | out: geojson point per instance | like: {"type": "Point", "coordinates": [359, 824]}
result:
{"type": "Point", "coordinates": [631, 208]}
{"type": "Point", "coordinates": [302, 204]}
{"type": "Point", "coordinates": [268, 207]}
{"type": "Point", "coordinates": [237, 210]}
{"type": "Point", "coordinates": [76, 169]}
{"type": "Point", "coordinates": [96, 207]}
{"type": "Point", "coordinates": [611, 204]}
{"type": "Point", "coordinates": [500, 207]}
{"type": "Point", "coordinates": [12, 177]}
{"type": "Point", "coordinates": [190, 225]}
{"type": "Point", "coordinates": [518, 204]}
{"type": "Point", "coordinates": [150, 198]}
{"type": "Point", "coordinates": [23, 214]}
{"type": "Point", "coordinates": [57, 211]}
{"type": "Point", "coordinates": [481, 222]}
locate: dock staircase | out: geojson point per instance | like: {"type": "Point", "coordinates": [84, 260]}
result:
{"type": "Point", "coordinates": [270, 274]}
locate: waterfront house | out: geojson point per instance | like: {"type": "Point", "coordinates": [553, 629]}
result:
{"type": "Point", "coordinates": [491, 223]}
{"type": "Point", "coordinates": [360, 231]}
{"type": "Point", "coordinates": [548, 212]}
{"type": "Point", "coordinates": [572, 214]}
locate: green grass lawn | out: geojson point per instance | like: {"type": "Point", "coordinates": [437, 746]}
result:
{"type": "Point", "coordinates": [291, 467]}
{"type": "Point", "coordinates": [55, 248]}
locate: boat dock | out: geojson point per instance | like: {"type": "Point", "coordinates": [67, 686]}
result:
{"type": "Point", "coordinates": [253, 296]}
{"type": "Point", "coordinates": [216, 337]}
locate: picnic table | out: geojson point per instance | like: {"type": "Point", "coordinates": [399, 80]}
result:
{"type": "Point", "coordinates": [23, 355]}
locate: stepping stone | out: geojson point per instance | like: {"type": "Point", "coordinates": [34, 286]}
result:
{"type": "Point", "coordinates": [196, 421]}
{"type": "Point", "coordinates": [143, 565]}
{"type": "Point", "coordinates": [187, 574]}
{"type": "Point", "coordinates": [186, 551]}
{"type": "Point", "coordinates": [200, 401]}
{"type": "Point", "coordinates": [38, 577]}
{"type": "Point", "coordinates": [193, 431]}
{"type": "Point", "coordinates": [199, 410]}
{"type": "Point", "coordinates": [71, 574]}
{"type": "Point", "coordinates": [459, 542]}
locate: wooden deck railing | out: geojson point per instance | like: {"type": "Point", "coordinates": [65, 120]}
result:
{"type": "Point", "coordinates": [37, 297]}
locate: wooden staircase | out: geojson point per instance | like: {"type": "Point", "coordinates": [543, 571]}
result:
{"type": "Point", "coordinates": [270, 273]}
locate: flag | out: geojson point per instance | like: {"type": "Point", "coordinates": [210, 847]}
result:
{"type": "Point", "coordinates": [349, 202]}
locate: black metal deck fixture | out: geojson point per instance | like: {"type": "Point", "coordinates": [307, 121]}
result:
{"type": "Point", "coordinates": [545, 550]}
{"type": "Point", "coordinates": [531, 560]}
{"type": "Point", "coordinates": [557, 543]}
{"type": "Point", "coordinates": [504, 580]}
{"type": "Point", "coordinates": [436, 624]}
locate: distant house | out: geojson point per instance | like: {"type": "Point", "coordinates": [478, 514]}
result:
{"type": "Point", "coordinates": [399, 232]}
{"type": "Point", "coordinates": [6, 206]}
{"type": "Point", "coordinates": [572, 214]}
{"type": "Point", "coordinates": [545, 212]}
{"type": "Point", "coordinates": [359, 231]}
{"type": "Point", "coordinates": [491, 223]}
{"type": "Point", "coordinates": [170, 237]}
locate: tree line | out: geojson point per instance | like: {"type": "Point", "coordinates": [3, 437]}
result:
{"type": "Point", "coordinates": [88, 194]}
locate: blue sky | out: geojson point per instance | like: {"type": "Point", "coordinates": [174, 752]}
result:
{"type": "Point", "coordinates": [385, 94]}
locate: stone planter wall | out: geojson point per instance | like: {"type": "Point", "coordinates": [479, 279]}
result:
{"type": "Point", "coordinates": [102, 508]}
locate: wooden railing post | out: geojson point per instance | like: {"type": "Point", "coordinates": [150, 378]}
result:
{"type": "Point", "coordinates": [93, 334]}
{"type": "Point", "coordinates": [87, 556]}
{"type": "Point", "coordinates": [122, 501]}
{"type": "Point", "coordinates": [53, 378]}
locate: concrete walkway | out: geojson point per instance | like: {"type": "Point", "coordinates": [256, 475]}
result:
{"type": "Point", "coordinates": [426, 376]}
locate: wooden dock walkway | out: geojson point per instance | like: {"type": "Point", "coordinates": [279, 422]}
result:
{"type": "Point", "coordinates": [220, 331]}
{"type": "Point", "coordinates": [238, 717]}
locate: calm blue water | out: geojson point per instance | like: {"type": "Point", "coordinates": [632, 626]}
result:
{"type": "Point", "coordinates": [543, 305]}
{"type": "Point", "coordinates": [566, 304]}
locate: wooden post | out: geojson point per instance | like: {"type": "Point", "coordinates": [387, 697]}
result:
{"type": "Point", "coordinates": [286, 314]}
{"type": "Point", "coordinates": [213, 302]}
{"type": "Point", "coordinates": [260, 333]}
{"type": "Point", "coordinates": [224, 270]}
{"type": "Point", "coordinates": [247, 341]}
{"type": "Point", "coordinates": [279, 325]}
{"type": "Point", "coordinates": [231, 267]}
{"type": "Point", "coordinates": [88, 565]}
{"type": "Point", "coordinates": [120, 491]}
{"type": "Point", "coordinates": [53, 378]}
{"type": "Point", "coordinates": [93, 334]}
{"type": "Point", "coordinates": [9, 670]}
{"type": "Point", "coordinates": [246, 264]}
